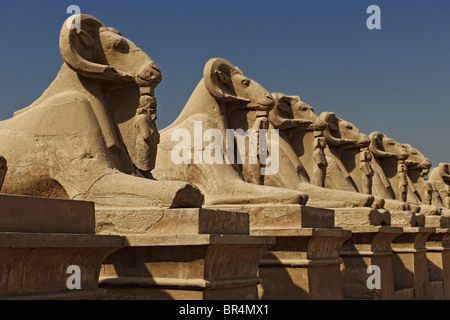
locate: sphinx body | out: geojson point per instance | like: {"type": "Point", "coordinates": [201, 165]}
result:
{"type": "Point", "coordinates": [439, 178]}
{"type": "Point", "coordinates": [349, 149]}
{"type": "Point", "coordinates": [301, 156]}
{"type": "Point", "coordinates": [388, 154]}
{"type": "Point", "coordinates": [420, 190]}
{"type": "Point", "coordinates": [223, 90]}
{"type": "Point", "coordinates": [395, 166]}
{"type": "Point", "coordinates": [344, 142]}
{"type": "Point", "coordinates": [76, 140]}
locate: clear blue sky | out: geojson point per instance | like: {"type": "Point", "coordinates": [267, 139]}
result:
{"type": "Point", "coordinates": [395, 80]}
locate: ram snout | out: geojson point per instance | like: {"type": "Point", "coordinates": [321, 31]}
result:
{"type": "Point", "coordinates": [149, 75]}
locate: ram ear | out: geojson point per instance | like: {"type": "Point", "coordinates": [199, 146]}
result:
{"type": "Point", "coordinates": [281, 114]}
{"type": "Point", "coordinates": [444, 169]}
{"type": "Point", "coordinates": [217, 76]}
{"type": "Point", "coordinates": [331, 133]}
{"type": "Point", "coordinates": [447, 169]}
{"type": "Point", "coordinates": [333, 123]}
{"type": "Point", "coordinates": [379, 141]}
{"type": "Point", "coordinates": [376, 144]}
{"type": "Point", "coordinates": [376, 140]}
{"type": "Point", "coordinates": [77, 47]}
{"type": "Point", "coordinates": [284, 107]}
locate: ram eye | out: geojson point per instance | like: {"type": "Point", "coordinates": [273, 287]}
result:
{"type": "Point", "coordinates": [121, 46]}
{"type": "Point", "coordinates": [246, 82]}
{"type": "Point", "coordinates": [304, 108]}
{"type": "Point", "coordinates": [349, 127]}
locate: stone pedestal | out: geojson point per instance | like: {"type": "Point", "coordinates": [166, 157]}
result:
{"type": "Point", "coordinates": [305, 262]}
{"type": "Point", "coordinates": [422, 244]}
{"type": "Point", "coordinates": [192, 267]}
{"type": "Point", "coordinates": [412, 252]}
{"type": "Point", "coordinates": [369, 245]}
{"type": "Point", "coordinates": [405, 262]}
{"type": "Point", "coordinates": [438, 255]}
{"type": "Point", "coordinates": [182, 254]}
{"type": "Point", "coordinates": [40, 239]}
{"type": "Point", "coordinates": [411, 265]}
{"type": "Point", "coordinates": [35, 265]}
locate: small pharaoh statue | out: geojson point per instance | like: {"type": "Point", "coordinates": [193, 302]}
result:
{"type": "Point", "coordinates": [320, 162]}
{"type": "Point", "coordinates": [261, 123]}
{"type": "Point", "coordinates": [428, 192]}
{"type": "Point", "coordinates": [444, 173]}
{"type": "Point", "coordinates": [3, 170]}
{"type": "Point", "coordinates": [366, 170]}
{"type": "Point", "coordinates": [427, 188]}
{"type": "Point", "coordinates": [147, 135]}
{"type": "Point", "coordinates": [447, 197]}
{"type": "Point", "coordinates": [403, 183]}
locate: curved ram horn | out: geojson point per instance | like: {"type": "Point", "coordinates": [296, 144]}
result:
{"type": "Point", "coordinates": [275, 118]}
{"type": "Point", "coordinates": [217, 68]}
{"type": "Point", "coordinates": [70, 50]}
{"type": "Point", "coordinates": [331, 120]}
{"type": "Point", "coordinates": [375, 143]}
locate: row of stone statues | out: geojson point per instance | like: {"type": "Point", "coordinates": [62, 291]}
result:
{"type": "Point", "coordinates": [244, 186]}
{"type": "Point", "coordinates": [92, 135]}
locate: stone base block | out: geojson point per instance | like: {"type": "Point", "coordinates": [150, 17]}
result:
{"type": "Point", "coordinates": [413, 219]}
{"type": "Point", "coordinates": [404, 219]}
{"type": "Point", "coordinates": [436, 221]}
{"type": "Point", "coordinates": [430, 210]}
{"type": "Point", "coordinates": [283, 216]}
{"type": "Point", "coordinates": [360, 217]}
{"type": "Point", "coordinates": [156, 221]}
{"type": "Point", "coordinates": [44, 215]}
{"type": "Point", "coordinates": [431, 221]}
